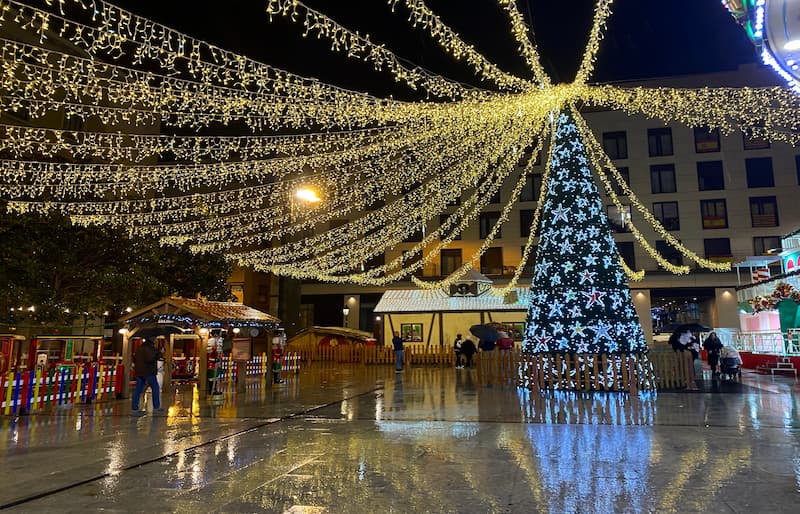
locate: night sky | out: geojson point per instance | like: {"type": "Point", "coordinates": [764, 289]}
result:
{"type": "Point", "coordinates": [645, 38]}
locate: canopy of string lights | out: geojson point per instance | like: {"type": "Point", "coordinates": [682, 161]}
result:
{"type": "Point", "coordinates": [145, 106]}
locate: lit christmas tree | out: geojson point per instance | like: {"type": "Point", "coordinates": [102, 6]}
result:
{"type": "Point", "coordinates": [580, 302]}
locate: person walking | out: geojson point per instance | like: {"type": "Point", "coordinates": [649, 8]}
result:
{"type": "Point", "coordinates": [468, 350]}
{"type": "Point", "coordinates": [397, 342]}
{"type": "Point", "coordinates": [146, 366]}
{"type": "Point", "coordinates": [457, 349]}
{"type": "Point", "coordinates": [713, 347]}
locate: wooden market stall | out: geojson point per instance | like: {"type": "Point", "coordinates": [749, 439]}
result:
{"type": "Point", "coordinates": [433, 317]}
{"type": "Point", "coordinates": [189, 328]}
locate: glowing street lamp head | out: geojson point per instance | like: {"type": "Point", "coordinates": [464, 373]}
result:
{"type": "Point", "coordinates": [309, 195]}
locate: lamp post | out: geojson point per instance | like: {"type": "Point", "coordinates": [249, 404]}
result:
{"type": "Point", "coordinates": [345, 311]}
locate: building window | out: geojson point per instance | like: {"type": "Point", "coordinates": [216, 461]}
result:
{"type": "Point", "coordinates": [797, 167]}
{"type": "Point", "coordinates": [659, 141]}
{"type": "Point", "coordinates": [706, 140]}
{"type": "Point", "coordinates": [759, 172]}
{"type": "Point", "coordinates": [442, 219]}
{"type": "Point", "coordinates": [625, 250]}
{"type": "Point", "coordinates": [754, 143]}
{"type": "Point", "coordinates": [450, 261]}
{"type": "Point", "coordinates": [764, 211]}
{"type": "Point", "coordinates": [488, 221]}
{"type": "Point", "coordinates": [662, 178]}
{"type": "Point", "coordinates": [615, 144]}
{"type": "Point", "coordinates": [623, 170]}
{"type": "Point", "coordinates": [718, 249]}
{"type": "Point", "coordinates": [667, 214]}
{"type": "Point", "coordinates": [492, 261]}
{"type": "Point", "coordinates": [670, 253]}
{"type": "Point", "coordinates": [710, 176]}
{"type": "Point", "coordinates": [530, 191]}
{"type": "Point", "coordinates": [376, 204]}
{"type": "Point", "coordinates": [495, 197]}
{"type": "Point", "coordinates": [375, 262]}
{"type": "Point", "coordinates": [618, 219]}
{"type": "Point", "coordinates": [415, 237]}
{"type": "Point", "coordinates": [525, 222]}
{"type": "Point", "coordinates": [766, 245]}
{"type": "Point", "coordinates": [334, 224]}
{"type": "Point", "coordinates": [715, 214]}
{"type": "Point", "coordinates": [527, 267]}
{"type": "Point", "coordinates": [411, 258]}
{"type": "Point", "coordinates": [454, 202]}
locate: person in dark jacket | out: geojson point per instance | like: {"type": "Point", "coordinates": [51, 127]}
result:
{"type": "Point", "coordinates": [397, 342]}
{"type": "Point", "coordinates": [468, 350]}
{"type": "Point", "coordinates": [457, 349]}
{"type": "Point", "coordinates": [713, 347]}
{"type": "Point", "coordinates": [146, 367]}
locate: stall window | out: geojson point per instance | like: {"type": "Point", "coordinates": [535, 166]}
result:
{"type": "Point", "coordinates": [411, 332]}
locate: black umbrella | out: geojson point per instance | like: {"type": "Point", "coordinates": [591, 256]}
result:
{"type": "Point", "coordinates": [694, 328]}
{"type": "Point", "coordinates": [484, 333]}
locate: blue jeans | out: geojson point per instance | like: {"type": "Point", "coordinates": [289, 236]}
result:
{"type": "Point", "coordinates": [141, 383]}
{"type": "Point", "coordinates": [398, 359]}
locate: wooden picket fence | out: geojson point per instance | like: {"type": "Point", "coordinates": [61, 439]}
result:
{"type": "Point", "coordinates": [587, 372]}
{"type": "Point", "coordinates": [577, 372]}
{"type": "Point", "coordinates": [374, 354]}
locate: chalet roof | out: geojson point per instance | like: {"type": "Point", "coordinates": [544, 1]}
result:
{"type": "Point", "coordinates": [436, 300]}
{"type": "Point", "coordinates": [201, 311]}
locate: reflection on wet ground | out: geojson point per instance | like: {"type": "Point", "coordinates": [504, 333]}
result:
{"type": "Point", "coordinates": [357, 438]}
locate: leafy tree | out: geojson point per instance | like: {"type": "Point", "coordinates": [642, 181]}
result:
{"type": "Point", "coordinates": [67, 272]}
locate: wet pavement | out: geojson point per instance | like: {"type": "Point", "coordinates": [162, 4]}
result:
{"type": "Point", "coordinates": [357, 438]}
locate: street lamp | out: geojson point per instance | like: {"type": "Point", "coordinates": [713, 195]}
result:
{"type": "Point", "coordinates": [345, 311]}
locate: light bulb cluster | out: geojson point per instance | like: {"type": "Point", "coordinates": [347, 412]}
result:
{"type": "Point", "coordinates": [451, 43]}
{"type": "Point", "coordinates": [384, 169]}
{"type": "Point", "coordinates": [601, 13]}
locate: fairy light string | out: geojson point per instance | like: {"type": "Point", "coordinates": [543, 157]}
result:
{"type": "Point", "coordinates": [258, 133]}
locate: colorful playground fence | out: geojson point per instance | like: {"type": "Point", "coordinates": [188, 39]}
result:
{"type": "Point", "coordinates": [33, 390]}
